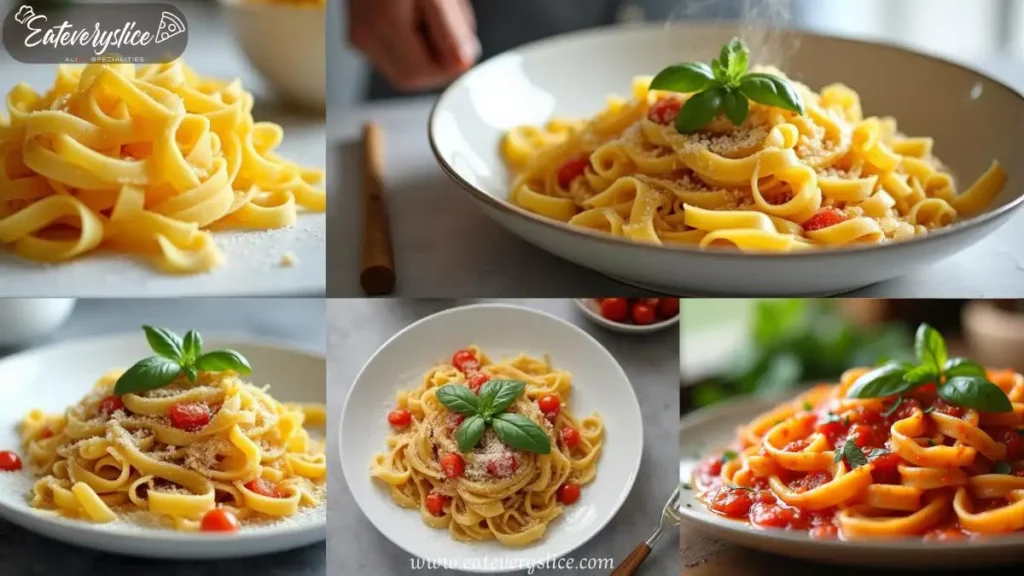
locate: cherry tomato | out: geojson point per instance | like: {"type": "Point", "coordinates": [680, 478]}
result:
{"type": "Point", "coordinates": [664, 111]}
{"type": "Point", "coordinates": [465, 361]}
{"type": "Point", "coordinates": [886, 469]}
{"type": "Point", "coordinates": [643, 314]}
{"type": "Point", "coordinates": [732, 502]}
{"type": "Point", "coordinates": [948, 409]}
{"type": "Point", "coordinates": [568, 493]}
{"type": "Point", "coordinates": [219, 520]}
{"type": "Point", "coordinates": [831, 430]}
{"type": "Point", "coordinates": [264, 487]}
{"type": "Point", "coordinates": [453, 421]}
{"type": "Point", "coordinates": [1009, 438]}
{"type": "Point", "coordinates": [668, 308]}
{"type": "Point", "coordinates": [570, 437]}
{"type": "Point", "coordinates": [399, 418]}
{"type": "Point", "coordinates": [825, 218]}
{"type": "Point", "coordinates": [572, 169]}
{"type": "Point", "coordinates": [503, 466]}
{"type": "Point", "coordinates": [436, 502]}
{"type": "Point", "coordinates": [549, 404]}
{"type": "Point", "coordinates": [109, 405]}
{"type": "Point", "coordinates": [866, 436]}
{"type": "Point", "coordinates": [452, 465]}
{"type": "Point", "coordinates": [189, 417]}
{"type": "Point", "coordinates": [477, 381]}
{"type": "Point", "coordinates": [615, 309]}
{"type": "Point", "coordinates": [46, 433]}
{"type": "Point", "coordinates": [9, 461]}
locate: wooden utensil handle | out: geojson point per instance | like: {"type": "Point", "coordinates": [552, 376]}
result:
{"type": "Point", "coordinates": [633, 561]}
{"type": "Point", "coordinates": [377, 265]}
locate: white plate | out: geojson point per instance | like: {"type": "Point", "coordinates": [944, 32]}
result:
{"type": "Point", "coordinates": [599, 384]}
{"type": "Point", "coordinates": [973, 119]}
{"type": "Point", "coordinates": [710, 430]}
{"type": "Point", "coordinates": [54, 377]}
{"type": "Point", "coordinates": [592, 311]}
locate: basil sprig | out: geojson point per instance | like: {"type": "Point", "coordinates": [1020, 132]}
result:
{"type": "Point", "coordinates": [959, 381]}
{"type": "Point", "coordinates": [726, 86]}
{"type": "Point", "coordinates": [176, 356]}
{"type": "Point", "coordinates": [488, 409]}
{"type": "Point", "coordinates": [854, 456]}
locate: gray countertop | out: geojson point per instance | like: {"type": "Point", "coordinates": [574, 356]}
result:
{"type": "Point", "coordinates": [298, 321]}
{"type": "Point", "coordinates": [430, 216]}
{"type": "Point", "coordinates": [356, 328]}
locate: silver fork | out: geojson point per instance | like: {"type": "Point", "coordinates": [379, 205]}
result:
{"type": "Point", "coordinates": [670, 518]}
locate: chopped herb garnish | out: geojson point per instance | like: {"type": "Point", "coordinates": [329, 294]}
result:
{"type": "Point", "coordinates": [1002, 467]}
{"type": "Point", "coordinates": [808, 406]}
{"type": "Point", "coordinates": [852, 453]}
{"type": "Point", "coordinates": [831, 418]}
{"type": "Point", "coordinates": [931, 443]}
{"type": "Point", "coordinates": [929, 409]}
{"type": "Point", "coordinates": [728, 456]}
{"type": "Point", "coordinates": [895, 406]}
{"type": "Point", "coordinates": [743, 488]}
{"type": "Point", "coordinates": [877, 453]}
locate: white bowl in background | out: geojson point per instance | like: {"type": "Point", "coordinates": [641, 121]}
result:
{"type": "Point", "coordinates": [592, 310]}
{"type": "Point", "coordinates": [285, 42]}
{"type": "Point", "coordinates": [25, 319]}
{"type": "Point", "coordinates": [973, 118]}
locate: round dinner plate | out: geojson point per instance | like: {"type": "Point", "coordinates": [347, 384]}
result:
{"type": "Point", "coordinates": [973, 119]}
{"type": "Point", "coordinates": [710, 430]}
{"type": "Point", "coordinates": [599, 385]}
{"type": "Point", "coordinates": [52, 378]}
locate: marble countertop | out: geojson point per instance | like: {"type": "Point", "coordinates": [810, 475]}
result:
{"type": "Point", "coordinates": [300, 321]}
{"type": "Point", "coordinates": [429, 215]}
{"type": "Point", "coordinates": [356, 328]}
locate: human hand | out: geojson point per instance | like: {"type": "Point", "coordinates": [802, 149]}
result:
{"type": "Point", "coordinates": [415, 44]}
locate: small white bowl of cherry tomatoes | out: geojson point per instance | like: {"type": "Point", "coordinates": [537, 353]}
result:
{"type": "Point", "coordinates": [632, 315]}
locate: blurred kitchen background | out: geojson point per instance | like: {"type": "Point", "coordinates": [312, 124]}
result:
{"type": "Point", "coordinates": [736, 347]}
{"type": "Point", "coordinates": [986, 33]}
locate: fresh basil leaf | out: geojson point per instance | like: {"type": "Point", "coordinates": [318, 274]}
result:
{"type": "Point", "coordinates": [151, 373]}
{"type": "Point", "coordinates": [892, 409]}
{"type": "Point", "coordinates": [719, 69]}
{"type": "Point", "coordinates": [220, 360]}
{"type": "Point", "coordinates": [699, 111]}
{"type": "Point", "coordinates": [469, 432]}
{"type": "Point", "coordinates": [808, 407]}
{"type": "Point", "coordinates": [1002, 467]}
{"type": "Point", "coordinates": [975, 393]}
{"type": "Point", "coordinates": [685, 78]}
{"type": "Point", "coordinates": [193, 346]}
{"type": "Point", "coordinates": [498, 395]}
{"type": "Point", "coordinates": [521, 433]}
{"type": "Point", "coordinates": [164, 342]}
{"type": "Point", "coordinates": [854, 457]}
{"type": "Point", "coordinates": [930, 348]}
{"type": "Point", "coordinates": [772, 91]}
{"type": "Point", "coordinates": [838, 455]}
{"type": "Point", "coordinates": [458, 399]}
{"type": "Point", "coordinates": [923, 374]}
{"type": "Point", "coordinates": [190, 373]}
{"type": "Point", "coordinates": [963, 367]}
{"type": "Point", "coordinates": [729, 456]}
{"type": "Point", "coordinates": [877, 453]}
{"type": "Point", "coordinates": [881, 382]}
{"type": "Point", "coordinates": [736, 107]}
{"type": "Point", "coordinates": [735, 58]}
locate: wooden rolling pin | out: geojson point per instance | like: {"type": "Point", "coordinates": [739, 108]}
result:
{"type": "Point", "coordinates": [377, 262]}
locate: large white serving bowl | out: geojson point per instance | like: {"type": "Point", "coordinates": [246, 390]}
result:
{"type": "Point", "coordinates": [501, 331]}
{"type": "Point", "coordinates": [973, 118]}
{"type": "Point", "coordinates": [52, 378]}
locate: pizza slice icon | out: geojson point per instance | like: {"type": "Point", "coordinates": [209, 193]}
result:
{"type": "Point", "coordinates": [170, 26]}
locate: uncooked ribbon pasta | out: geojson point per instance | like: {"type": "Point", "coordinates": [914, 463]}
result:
{"type": "Point", "coordinates": [144, 160]}
{"type": "Point", "coordinates": [508, 480]}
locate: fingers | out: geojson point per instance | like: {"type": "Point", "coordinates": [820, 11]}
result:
{"type": "Point", "coordinates": [451, 31]}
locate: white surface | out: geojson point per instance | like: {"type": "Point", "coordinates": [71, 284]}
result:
{"type": "Point", "coordinates": [55, 377]}
{"type": "Point", "coordinates": [592, 311]}
{"type": "Point", "coordinates": [711, 430]}
{"type": "Point", "coordinates": [533, 84]}
{"type": "Point", "coordinates": [29, 318]}
{"type": "Point", "coordinates": [600, 385]}
{"type": "Point", "coordinates": [252, 264]}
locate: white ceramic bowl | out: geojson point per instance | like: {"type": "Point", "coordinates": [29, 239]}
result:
{"type": "Point", "coordinates": [52, 378]}
{"type": "Point", "coordinates": [286, 44]}
{"type": "Point", "coordinates": [592, 311]}
{"type": "Point", "coordinates": [599, 385]}
{"type": "Point", "coordinates": [25, 319]}
{"type": "Point", "coordinates": [973, 119]}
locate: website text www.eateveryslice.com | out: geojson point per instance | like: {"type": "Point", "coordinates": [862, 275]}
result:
{"type": "Point", "coordinates": [500, 564]}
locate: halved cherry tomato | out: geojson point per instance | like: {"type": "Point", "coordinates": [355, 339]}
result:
{"type": "Point", "coordinates": [9, 461]}
{"type": "Point", "coordinates": [643, 314]}
{"type": "Point", "coordinates": [465, 361]}
{"type": "Point", "coordinates": [436, 502]}
{"type": "Point", "coordinates": [1010, 438]}
{"type": "Point", "coordinates": [46, 433]}
{"type": "Point", "coordinates": [477, 381]}
{"type": "Point", "coordinates": [568, 493]}
{"type": "Point", "coordinates": [219, 520]}
{"type": "Point", "coordinates": [453, 421]}
{"type": "Point", "coordinates": [264, 487]}
{"type": "Point", "coordinates": [825, 218]}
{"type": "Point", "coordinates": [572, 169]}
{"type": "Point", "coordinates": [503, 466]}
{"type": "Point", "coordinates": [399, 418]}
{"type": "Point", "coordinates": [189, 417]}
{"type": "Point", "coordinates": [549, 404]}
{"type": "Point", "coordinates": [664, 111]}
{"type": "Point", "coordinates": [886, 469]}
{"type": "Point", "coordinates": [570, 437]}
{"type": "Point", "coordinates": [109, 405]}
{"type": "Point", "coordinates": [668, 308]}
{"type": "Point", "coordinates": [452, 465]}
{"type": "Point", "coordinates": [615, 309]}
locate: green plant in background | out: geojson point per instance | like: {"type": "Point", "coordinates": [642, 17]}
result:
{"type": "Point", "coordinates": [795, 341]}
